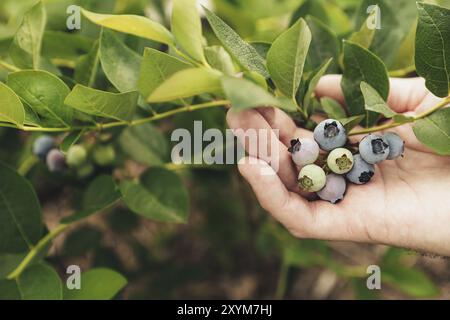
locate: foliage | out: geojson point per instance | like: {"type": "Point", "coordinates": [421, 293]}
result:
{"type": "Point", "coordinates": [112, 86]}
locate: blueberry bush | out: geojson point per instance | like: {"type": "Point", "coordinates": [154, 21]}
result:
{"type": "Point", "coordinates": [86, 177]}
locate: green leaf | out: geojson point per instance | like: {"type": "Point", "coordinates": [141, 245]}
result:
{"type": "Point", "coordinates": [374, 102]}
{"type": "Point", "coordinates": [132, 24]}
{"type": "Point", "coordinates": [244, 53]}
{"type": "Point", "coordinates": [220, 59]}
{"type": "Point", "coordinates": [11, 108]}
{"type": "Point", "coordinates": [324, 45]}
{"type": "Point", "coordinates": [25, 49]}
{"type": "Point", "coordinates": [40, 282]}
{"type": "Point", "coordinates": [362, 65]}
{"type": "Point", "coordinates": [44, 93]}
{"type": "Point", "coordinates": [412, 282]}
{"type": "Point", "coordinates": [287, 56]}
{"type": "Point", "coordinates": [404, 62]}
{"type": "Point", "coordinates": [326, 11]}
{"type": "Point", "coordinates": [160, 195]}
{"type": "Point", "coordinates": [244, 94]}
{"type": "Point", "coordinates": [70, 139]}
{"type": "Point", "coordinates": [9, 262]}
{"type": "Point", "coordinates": [20, 213]}
{"type": "Point", "coordinates": [187, 83]}
{"type": "Point", "coordinates": [9, 290]}
{"type": "Point", "coordinates": [87, 66]}
{"type": "Point", "coordinates": [156, 68]}
{"type": "Point", "coordinates": [97, 284]}
{"type": "Point", "coordinates": [434, 131]}
{"type": "Point", "coordinates": [101, 194]}
{"type": "Point", "coordinates": [396, 20]}
{"type": "Point", "coordinates": [145, 144]}
{"type": "Point", "coordinates": [351, 122]}
{"type": "Point", "coordinates": [365, 35]}
{"type": "Point", "coordinates": [187, 28]}
{"type": "Point", "coordinates": [332, 108]}
{"type": "Point", "coordinates": [312, 83]}
{"type": "Point", "coordinates": [120, 64]}
{"type": "Point", "coordinates": [64, 45]}
{"type": "Point", "coordinates": [433, 48]}
{"type": "Point", "coordinates": [119, 106]}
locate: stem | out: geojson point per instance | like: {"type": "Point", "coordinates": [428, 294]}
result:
{"type": "Point", "coordinates": [282, 281]}
{"type": "Point", "coordinates": [36, 249]}
{"type": "Point", "coordinates": [27, 165]}
{"type": "Point", "coordinates": [391, 125]}
{"type": "Point", "coordinates": [155, 117]}
{"type": "Point", "coordinates": [8, 66]}
{"type": "Point", "coordinates": [186, 57]}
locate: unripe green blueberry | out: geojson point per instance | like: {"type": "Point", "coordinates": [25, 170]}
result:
{"type": "Point", "coordinates": [76, 156]}
{"type": "Point", "coordinates": [340, 161]}
{"type": "Point", "coordinates": [85, 170]}
{"type": "Point", "coordinates": [312, 178]}
{"type": "Point", "coordinates": [104, 155]}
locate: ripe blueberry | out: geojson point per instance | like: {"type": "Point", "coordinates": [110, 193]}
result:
{"type": "Point", "coordinates": [396, 145]}
{"type": "Point", "coordinates": [330, 134]}
{"type": "Point", "coordinates": [334, 190]}
{"type": "Point", "coordinates": [304, 151]}
{"type": "Point", "coordinates": [362, 172]}
{"type": "Point", "coordinates": [374, 149]}
{"type": "Point", "coordinates": [340, 161]}
{"type": "Point", "coordinates": [42, 146]}
{"type": "Point", "coordinates": [104, 155]}
{"type": "Point", "coordinates": [56, 161]}
{"type": "Point", "coordinates": [312, 178]}
{"type": "Point", "coordinates": [76, 156]}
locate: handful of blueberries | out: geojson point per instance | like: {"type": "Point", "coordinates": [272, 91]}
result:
{"type": "Point", "coordinates": [329, 180]}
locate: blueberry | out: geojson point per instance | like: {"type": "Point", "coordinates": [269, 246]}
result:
{"type": "Point", "coordinates": [56, 161]}
{"type": "Point", "coordinates": [42, 146]}
{"type": "Point", "coordinates": [76, 156]}
{"type": "Point", "coordinates": [362, 172]}
{"type": "Point", "coordinates": [334, 190]}
{"type": "Point", "coordinates": [374, 149]}
{"type": "Point", "coordinates": [85, 171]}
{"type": "Point", "coordinates": [312, 178]}
{"type": "Point", "coordinates": [396, 145]}
{"type": "Point", "coordinates": [304, 151]}
{"type": "Point", "coordinates": [104, 155]}
{"type": "Point", "coordinates": [330, 134]}
{"type": "Point", "coordinates": [340, 161]}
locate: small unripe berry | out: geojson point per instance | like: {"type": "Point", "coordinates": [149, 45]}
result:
{"type": "Point", "coordinates": [104, 155]}
{"type": "Point", "coordinates": [340, 161]}
{"type": "Point", "coordinates": [334, 190]}
{"type": "Point", "coordinates": [42, 146]}
{"type": "Point", "coordinates": [312, 178]}
{"type": "Point", "coordinates": [76, 156]}
{"type": "Point", "coordinates": [56, 161]}
{"type": "Point", "coordinates": [85, 171]}
{"type": "Point", "coordinates": [304, 151]}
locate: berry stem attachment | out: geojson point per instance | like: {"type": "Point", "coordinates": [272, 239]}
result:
{"type": "Point", "coordinates": [391, 125]}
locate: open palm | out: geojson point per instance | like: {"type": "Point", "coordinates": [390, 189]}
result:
{"type": "Point", "coordinates": [406, 204]}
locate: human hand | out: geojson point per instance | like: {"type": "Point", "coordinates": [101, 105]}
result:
{"type": "Point", "coordinates": [407, 203]}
